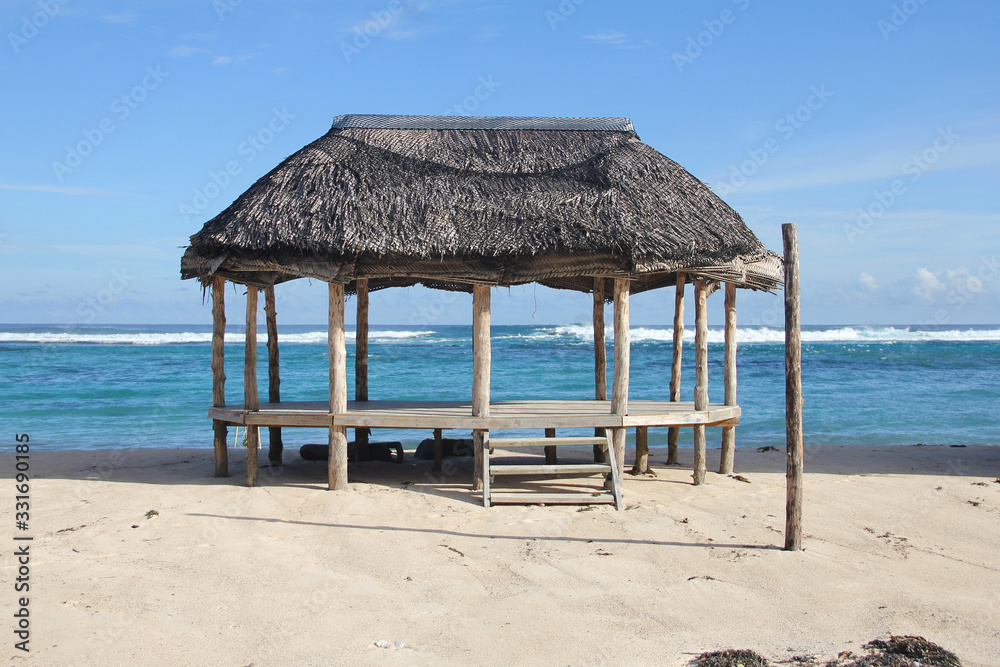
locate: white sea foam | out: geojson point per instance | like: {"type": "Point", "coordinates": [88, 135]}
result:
{"type": "Point", "coordinates": [770, 335]}
{"type": "Point", "coordinates": [182, 337]}
{"type": "Point", "coordinates": [570, 333]}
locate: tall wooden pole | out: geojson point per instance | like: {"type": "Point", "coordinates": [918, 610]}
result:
{"type": "Point", "coordinates": [251, 402]}
{"type": "Point", "coordinates": [675, 366]}
{"type": "Point", "coordinates": [361, 367]}
{"type": "Point", "coordinates": [481, 359]}
{"type": "Point", "coordinates": [274, 444]}
{"type": "Point", "coordinates": [793, 391]}
{"type": "Point", "coordinates": [619, 386]}
{"type": "Point", "coordinates": [600, 361]}
{"type": "Point", "coordinates": [337, 348]}
{"type": "Point", "coordinates": [729, 432]}
{"type": "Point", "coordinates": [219, 373]}
{"type": "Point", "coordinates": [701, 374]}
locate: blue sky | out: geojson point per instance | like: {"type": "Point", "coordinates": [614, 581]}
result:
{"type": "Point", "coordinates": [874, 125]}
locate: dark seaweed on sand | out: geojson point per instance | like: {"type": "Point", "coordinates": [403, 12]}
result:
{"type": "Point", "coordinates": [731, 658]}
{"type": "Point", "coordinates": [902, 651]}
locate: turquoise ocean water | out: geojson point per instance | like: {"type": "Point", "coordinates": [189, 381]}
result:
{"type": "Point", "coordinates": [119, 387]}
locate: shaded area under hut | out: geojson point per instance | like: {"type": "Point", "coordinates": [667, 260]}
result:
{"type": "Point", "coordinates": [468, 204]}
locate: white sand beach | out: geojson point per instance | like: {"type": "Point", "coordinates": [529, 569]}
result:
{"type": "Point", "coordinates": [404, 569]}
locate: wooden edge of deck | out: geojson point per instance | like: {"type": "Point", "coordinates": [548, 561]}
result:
{"type": "Point", "coordinates": [442, 416]}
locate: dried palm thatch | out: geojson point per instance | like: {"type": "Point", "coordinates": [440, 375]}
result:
{"type": "Point", "coordinates": [449, 202]}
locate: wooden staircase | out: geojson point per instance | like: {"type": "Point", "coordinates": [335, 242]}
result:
{"type": "Point", "coordinates": [609, 493]}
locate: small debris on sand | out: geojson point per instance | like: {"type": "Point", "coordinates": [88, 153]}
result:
{"type": "Point", "coordinates": [767, 449]}
{"type": "Point", "coordinates": [740, 478]}
{"type": "Point", "coordinates": [151, 513]}
{"type": "Point", "coordinates": [731, 658]}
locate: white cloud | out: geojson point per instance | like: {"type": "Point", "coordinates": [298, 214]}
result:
{"type": "Point", "coordinates": [926, 284]}
{"type": "Point", "coordinates": [56, 189]}
{"type": "Point", "coordinates": [613, 37]}
{"type": "Point", "coordinates": [186, 51]}
{"type": "Point", "coordinates": [868, 281]}
{"type": "Point", "coordinates": [120, 18]}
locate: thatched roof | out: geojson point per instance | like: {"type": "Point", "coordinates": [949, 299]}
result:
{"type": "Point", "coordinates": [449, 201]}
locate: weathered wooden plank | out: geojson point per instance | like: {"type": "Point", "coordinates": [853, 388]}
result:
{"type": "Point", "coordinates": [531, 498]}
{"type": "Point", "coordinates": [251, 400]}
{"type": "Point", "coordinates": [728, 458]}
{"type": "Point", "coordinates": [701, 375]}
{"type": "Point", "coordinates": [219, 374]}
{"type": "Point", "coordinates": [551, 453]}
{"type": "Point", "coordinates": [537, 442]}
{"type": "Point", "coordinates": [337, 349]}
{"type": "Point", "coordinates": [793, 391]}
{"type": "Point", "coordinates": [361, 435]}
{"type": "Point", "coordinates": [559, 469]}
{"type": "Point", "coordinates": [641, 463]}
{"type": "Point", "coordinates": [619, 387]}
{"type": "Point", "coordinates": [397, 414]}
{"type": "Point", "coordinates": [675, 365]}
{"type": "Point", "coordinates": [600, 359]}
{"type": "Point", "coordinates": [438, 445]}
{"type": "Point", "coordinates": [481, 359]}
{"type": "Point", "coordinates": [274, 444]}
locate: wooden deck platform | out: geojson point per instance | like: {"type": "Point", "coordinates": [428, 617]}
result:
{"type": "Point", "coordinates": [458, 414]}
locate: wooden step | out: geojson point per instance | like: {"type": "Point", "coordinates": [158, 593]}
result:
{"type": "Point", "coordinates": [544, 469]}
{"type": "Point", "coordinates": [546, 442]}
{"type": "Point", "coordinates": [527, 498]}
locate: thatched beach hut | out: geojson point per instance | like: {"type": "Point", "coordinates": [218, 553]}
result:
{"type": "Point", "coordinates": [468, 204]}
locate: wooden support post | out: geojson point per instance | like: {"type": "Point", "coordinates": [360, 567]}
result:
{"type": "Point", "coordinates": [337, 462]}
{"type": "Point", "coordinates": [437, 450]}
{"type": "Point", "coordinates": [793, 391]}
{"type": "Point", "coordinates": [551, 457]}
{"type": "Point", "coordinates": [641, 464]}
{"type": "Point", "coordinates": [219, 373]}
{"type": "Point", "coordinates": [361, 367]}
{"type": "Point", "coordinates": [251, 401]}
{"type": "Point", "coordinates": [701, 374]}
{"type": "Point", "coordinates": [729, 432]}
{"type": "Point", "coordinates": [274, 444]}
{"type": "Point", "coordinates": [481, 357]}
{"type": "Point", "coordinates": [675, 366]}
{"type": "Point", "coordinates": [600, 362]}
{"type": "Point", "coordinates": [619, 386]}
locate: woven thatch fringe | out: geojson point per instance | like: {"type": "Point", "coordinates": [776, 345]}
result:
{"type": "Point", "coordinates": [450, 207]}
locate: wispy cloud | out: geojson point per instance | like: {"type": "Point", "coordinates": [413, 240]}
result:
{"type": "Point", "coordinates": [186, 51]}
{"type": "Point", "coordinates": [861, 159]}
{"type": "Point", "coordinates": [614, 37]}
{"type": "Point", "coordinates": [55, 189]}
{"type": "Point", "coordinates": [120, 18]}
